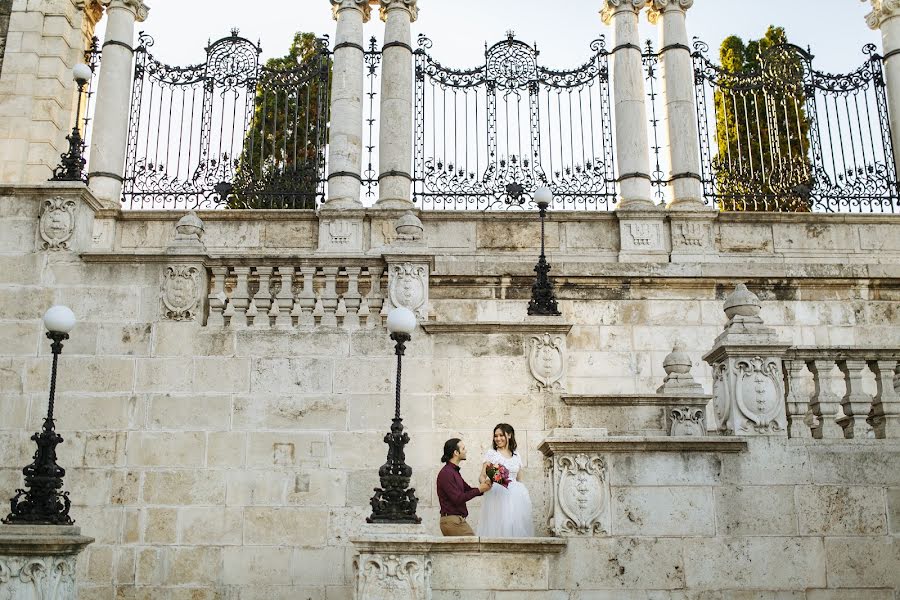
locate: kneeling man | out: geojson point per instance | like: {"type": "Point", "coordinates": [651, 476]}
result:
{"type": "Point", "coordinates": [453, 492]}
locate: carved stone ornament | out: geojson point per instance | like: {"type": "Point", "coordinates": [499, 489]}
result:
{"type": "Point", "coordinates": [644, 235]}
{"type": "Point", "coordinates": [687, 420]}
{"type": "Point", "coordinates": [749, 396]}
{"type": "Point", "coordinates": [360, 5]}
{"type": "Point", "coordinates": [37, 577]}
{"type": "Point", "coordinates": [408, 287]}
{"type": "Point", "coordinates": [137, 7]}
{"type": "Point", "coordinates": [392, 577]}
{"type": "Point", "coordinates": [580, 495]}
{"type": "Point", "coordinates": [409, 5]}
{"type": "Point", "coordinates": [611, 7]}
{"type": "Point", "coordinates": [339, 234]}
{"type": "Point", "coordinates": [655, 8]}
{"type": "Point", "coordinates": [881, 11]}
{"type": "Point", "coordinates": [547, 361]}
{"type": "Point", "coordinates": [57, 223]}
{"type": "Point", "coordinates": [690, 234]}
{"type": "Point", "coordinates": [181, 292]}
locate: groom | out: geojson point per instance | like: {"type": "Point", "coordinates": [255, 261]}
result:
{"type": "Point", "coordinates": [453, 492]}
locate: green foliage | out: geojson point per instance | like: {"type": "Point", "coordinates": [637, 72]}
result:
{"type": "Point", "coordinates": [285, 141]}
{"type": "Point", "coordinates": [762, 129]}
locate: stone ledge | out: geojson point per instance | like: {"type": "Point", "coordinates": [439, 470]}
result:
{"type": "Point", "coordinates": [635, 399]}
{"type": "Point", "coordinates": [428, 544]}
{"type": "Point", "coordinates": [575, 440]}
{"type": "Point", "coordinates": [496, 327]}
{"type": "Point", "coordinates": [41, 540]}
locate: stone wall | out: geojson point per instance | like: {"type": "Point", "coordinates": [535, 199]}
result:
{"type": "Point", "coordinates": [217, 462]}
{"type": "Point", "coordinates": [5, 10]}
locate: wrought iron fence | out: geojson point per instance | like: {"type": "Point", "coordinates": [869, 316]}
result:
{"type": "Point", "coordinates": [787, 137]}
{"type": "Point", "coordinates": [228, 132]}
{"type": "Point", "coordinates": [487, 137]}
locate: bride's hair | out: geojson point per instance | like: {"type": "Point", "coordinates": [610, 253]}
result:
{"type": "Point", "coordinates": [510, 436]}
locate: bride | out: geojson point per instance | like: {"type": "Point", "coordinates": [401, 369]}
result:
{"type": "Point", "coordinates": [505, 511]}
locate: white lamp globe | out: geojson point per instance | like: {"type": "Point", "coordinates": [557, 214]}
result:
{"type": "Point", "coordinates": [59, 319]}
{"type": "Point", "coordinates": [543, 195]}
{"type": "Point", "coordinates": [81, 73]}
{"type": "Point", "coordinates": [401, 320]}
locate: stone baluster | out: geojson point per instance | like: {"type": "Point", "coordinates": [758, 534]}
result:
{"type": "Point", "coordinates": [824, 403]}
{"type": "Point", "coordinates": [306, 299]}
{"type": "Point", "coordinates": [885, 417]}
{"type": "Point", "coordinates": [112, 107]}
{"type": "Point", "coordinates": [856, 403]}
{"type": "Point", "coordinates": [240, 298]}
{"type": "Point", "coordinates": [375, 299]}
{"type": "Point", "coordinates": [884, 16]}
{"type": "Point", "coordinates": [285, 298]}
{"type": "Point", "coordinates": [346, 126]}
{"type": "Point", "coordinates": [395, 138]}
{"type": "Point", "coordinates": [352, 298]}
{"type": "Point", "coordinates": [217, 298]}
{"type": "Point", "coordinates": [632, 148]}
{"type": "Point", "coordinates": [801, 421]}
{"type": "Point", "coordinates": [263, 298]}
{"type": "Point", "coordinates": [329, 297]}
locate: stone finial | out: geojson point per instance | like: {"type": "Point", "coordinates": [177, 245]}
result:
{"type": "Point", "coordinates": [409, 228]}
{"type": "Point", "coordinates": [188, 233]}
{"type": "Point", "coordinates": [742, 303]}
{"type": "Point", "coordinates": [655, 8]}
{"type": "Point", "coordinates": [362, 6]}
{"type": "Point", "coordinates": [881, 11]}
{"type": "Point", "coordinates": [742, 307]}
{"type": "Point", "coordinates": [408, 5]}
{"type": "Point", "coordinates": [611, 7]}
{"type": "Point", "coordinates": [679, 380]}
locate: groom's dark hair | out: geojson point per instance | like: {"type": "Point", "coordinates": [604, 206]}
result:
{"type": "Point", "coordinates": [450, 446]}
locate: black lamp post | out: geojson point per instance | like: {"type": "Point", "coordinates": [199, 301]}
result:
{"type": "Point", "coordinates": [43, 503]}
{"type": "Point", "coordinates": [395, 501]}
{"type": "Point", "coordinates": [543, 299]}
{"type": "Point", "coordinates": [71, 164]}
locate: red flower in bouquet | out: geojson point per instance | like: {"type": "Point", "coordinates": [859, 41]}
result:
{"type": "Point", "coordinates": [498, 474]}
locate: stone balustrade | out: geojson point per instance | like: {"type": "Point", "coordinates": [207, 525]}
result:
{"type": "Point", "coordinates": [857, 413]}
{"type": "Point", "coordinates": [301, 295]}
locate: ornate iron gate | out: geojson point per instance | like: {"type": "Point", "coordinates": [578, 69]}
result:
{"type": "Point", "coordinates": [790, 138]}
{"type": "Point", "coordinates": [487, 137]}
{"type": "Point", "coordinates": [227, 132]}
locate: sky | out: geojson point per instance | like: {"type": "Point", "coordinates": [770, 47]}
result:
{"type": "Point", "coordinates": [835, 30]}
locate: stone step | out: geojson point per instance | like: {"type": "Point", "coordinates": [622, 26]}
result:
{"type": "Point", "coordinates": [634, 414]}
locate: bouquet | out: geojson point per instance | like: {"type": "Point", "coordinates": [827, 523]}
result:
{"type": "Point", "coordinates": [498, 474]}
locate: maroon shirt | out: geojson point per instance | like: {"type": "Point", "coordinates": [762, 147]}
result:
{"type": "Point", "coordinates": [453, 492]}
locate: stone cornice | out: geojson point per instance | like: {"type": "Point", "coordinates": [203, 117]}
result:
{"type": "Point", "coordinates": [612, 7]}
{"type": "Point", "coordinates": [41, 540]}
{"type": "Point", "coordinates": [408, 5]}
{"type": "Point", "coordinates": [655, 8]}
{"type": "Point", "coordinates": [635, 399]}
{"type": "Point", "coordinates": [137, 7]}
{"type": "Point", "coordinates": [836, 353]}
{"type": "Point", "coordinates": [587, 441]}
{"type": "Point", "coordinates": [404, 543]}
{"type": "Point", "coordinates": [360, 5]}
{"type": "Point", "coordinates": [482, 327]}
{"type": "Point", "coordinates": [882, 10]}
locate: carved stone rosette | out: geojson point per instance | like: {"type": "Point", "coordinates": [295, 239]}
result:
{"type": "Point", "coordinates": [37, 577]}
{"type": "Point", "coordinates": [547, 361]}
{"type": "Point", "coordinates": [392, 577]}
{"type": "Point", "coordinates": [408, 287]}
{"type": "Point", "coordinates": [580, 490]}
{"type": "Point", "coordinates": [57, 223]}
{"type": "Point", "coordinates": [180, 292]}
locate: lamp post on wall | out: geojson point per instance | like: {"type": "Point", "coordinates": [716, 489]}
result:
{"type": "Point", "coordinates": [395, 501]}
{"type": "Point", "coordinates": [43, 503]}
{"type": "Point", "coordinates": [71, 164]}
{"type": "Point", "coordinates": [543, 298]}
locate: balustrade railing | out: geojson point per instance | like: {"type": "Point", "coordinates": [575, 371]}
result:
{"type": "Point", "coordinates": [228, 132]}
{"type": "Point", "coordinates": [299, 294]}
{"type": "Point", "coordinates": [487, 137]}
{"type": "Point", "coordinates": [856, 413]}
{"type": "Point", "coordinates": [790, 138]}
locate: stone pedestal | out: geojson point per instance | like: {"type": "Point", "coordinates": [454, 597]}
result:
{"type": "Point", "coordinates": [748, 383]}
{"type": "Point", "coordinates": [37, 562]}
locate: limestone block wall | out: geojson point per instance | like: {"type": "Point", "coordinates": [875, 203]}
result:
{"type": "Point", "coordinates": [215, 462]}
{"type": "Point", "coordinates": [5, 10]}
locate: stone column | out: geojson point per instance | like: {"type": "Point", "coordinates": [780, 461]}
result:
{"type": "Point", "coordinates": [39, 561]}
{"type": "Point", "coordinates": [40, 42]}
{"type": "Point", "coordinates": [111, 110]}
{"type": "Point", "coordinates": [395, 137]}
{"type": "Point", "coordinates": [885, 16]}
{"type": "Point", "coordinates": [346, 129]}
{"type": "Point", "coordinates": [746, 360]}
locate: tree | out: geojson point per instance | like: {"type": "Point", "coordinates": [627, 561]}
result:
{"type": "Point", "coordinates": [762, 130]}
{"type": "Point", "coordinates": [284, 147]}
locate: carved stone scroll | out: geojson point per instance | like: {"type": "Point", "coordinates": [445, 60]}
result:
{"type": "Point", "coordinates": [547, 361]}
{"type": "Point", "coordinates": [580, 495]}
{"type": "Point", "coordinates": [392, 577]}
{"type": "Point", "coordinates": [180, 292]}
{"type": "Point", "coordinates": [57, 223]}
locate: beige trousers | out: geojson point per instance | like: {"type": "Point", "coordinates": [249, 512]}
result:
{"type": "Point", "coordinates": [455, 525]}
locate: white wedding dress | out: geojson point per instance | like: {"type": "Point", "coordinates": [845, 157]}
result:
{"type": "Point", "coordinates": [506, 512]}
